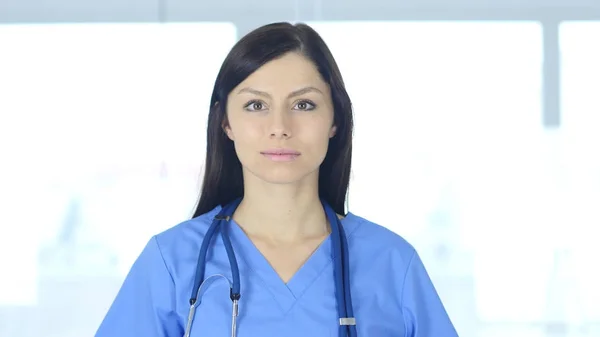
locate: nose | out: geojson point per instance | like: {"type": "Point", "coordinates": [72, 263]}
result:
{"type": "Point", "coordinates": [280, 126]}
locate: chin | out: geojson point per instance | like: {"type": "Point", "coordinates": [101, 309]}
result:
{"type": "Point", "coordinates": [282, 176]}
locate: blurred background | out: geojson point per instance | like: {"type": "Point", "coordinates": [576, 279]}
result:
{"type": "Point", "coordinates": [488, 112]}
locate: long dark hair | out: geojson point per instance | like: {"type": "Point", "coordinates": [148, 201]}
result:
{"type": "Point", "coordinates": [223, 180]}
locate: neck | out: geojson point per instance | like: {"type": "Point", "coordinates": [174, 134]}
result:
{"type": "Point", "coordinates": [281, 212]}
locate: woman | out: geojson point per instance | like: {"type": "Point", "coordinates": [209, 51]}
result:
{"type": "Point", "coordinates": [272, 204]}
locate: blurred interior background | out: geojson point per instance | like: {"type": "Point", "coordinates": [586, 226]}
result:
{"type": "Point", "coordinates": [488, 112]}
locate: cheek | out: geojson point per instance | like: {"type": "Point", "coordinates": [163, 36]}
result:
{"type": "Point", "coordinates": [247, 138]}
{"type": "Point", "coordinates": [245, 129]}
{"type": "Point", "coordinates": [318, 138]}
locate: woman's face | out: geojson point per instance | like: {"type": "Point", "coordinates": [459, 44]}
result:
{"type": "Point", "coordinates": [281, 119]}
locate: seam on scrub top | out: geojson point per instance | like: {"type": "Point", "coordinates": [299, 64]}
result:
{"type": "Point", "coordinates": [162, 257]}
{"type": "Point", "coordinates": [360, 221]}
{"type": "Point", "coordinates": [412, 258]}
{"type": "Point", "coordinates": [406, 275]}
{"type": "Point", "coordinates": [404, 320]}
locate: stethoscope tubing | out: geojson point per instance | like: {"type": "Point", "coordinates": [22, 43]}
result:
{"type": "Point", "coordinates": [341, 268]}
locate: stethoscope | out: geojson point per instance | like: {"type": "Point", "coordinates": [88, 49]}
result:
{"type": "Point", "coordinates": [341, 274]}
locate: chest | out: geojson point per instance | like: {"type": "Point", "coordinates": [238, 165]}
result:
{"type": "Point", "coordinates": [290, 291]}
{"type": "Point", "coordinates": [268, 312]}
{"type": "Point", "coordinates": [304, 306]}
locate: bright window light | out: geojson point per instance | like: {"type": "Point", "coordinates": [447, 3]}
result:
{"type": "Point", "coordinates": [91, 116]}
{"type": "Point", "coordinates": [580, 84]}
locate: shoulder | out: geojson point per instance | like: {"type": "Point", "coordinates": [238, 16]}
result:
{"type": "Point", "coordinates": [377, 241]}
{"type": "Point", "coordinates": [184, 239]}
{"type": "Point", "coordinates": [189, 230]}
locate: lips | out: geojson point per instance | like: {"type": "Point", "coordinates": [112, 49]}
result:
{"type": "Point", "coordinates": [281, 155]}
{"type": "Point", "coordinates": [282, 152]}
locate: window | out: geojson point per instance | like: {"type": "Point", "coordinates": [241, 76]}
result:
{"type": "Point", "coordinates": [106, 130]}
{"type": "Point", "coordinates": [580, 83]}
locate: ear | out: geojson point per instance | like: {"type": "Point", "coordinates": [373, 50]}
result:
{"type": "Point", "coordinates": [227, 130]}
{"type": "Point", "coordinates": [332, 131]}
{"type": "Point", "coordinates": [225, 124]}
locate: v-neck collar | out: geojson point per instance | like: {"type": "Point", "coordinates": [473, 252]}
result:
{"type": "Point", "coordinates": [285, 294]}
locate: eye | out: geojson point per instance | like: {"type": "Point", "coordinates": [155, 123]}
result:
{"type": "Point", "coordinates": [254, 106]}
{"type": "Point", "coordinates": [305, 105]}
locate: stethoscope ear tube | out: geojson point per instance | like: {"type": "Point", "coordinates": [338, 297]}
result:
{"type": "Point", "coordinates": [351, 323]}
{"type": "Point", "coordinates": [224, 215]}
{"type": "Point", "coordinates": [235, 272]}
{"type": "Point", "coordinates": [337, 268]}
{"type": "Point", "coordinates": [341, 274]}
{"type": "Point", "coordinates": [202, 260]}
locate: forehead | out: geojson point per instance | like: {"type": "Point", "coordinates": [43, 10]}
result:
{"type": "Point", "coordinates": [286, 73]}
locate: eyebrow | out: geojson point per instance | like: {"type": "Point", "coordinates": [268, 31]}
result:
{"type": "Point", "coordinates": [292, 94]}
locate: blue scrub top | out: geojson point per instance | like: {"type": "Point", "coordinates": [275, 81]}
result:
{"type": "Point", "coordinates": [392, 293]}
